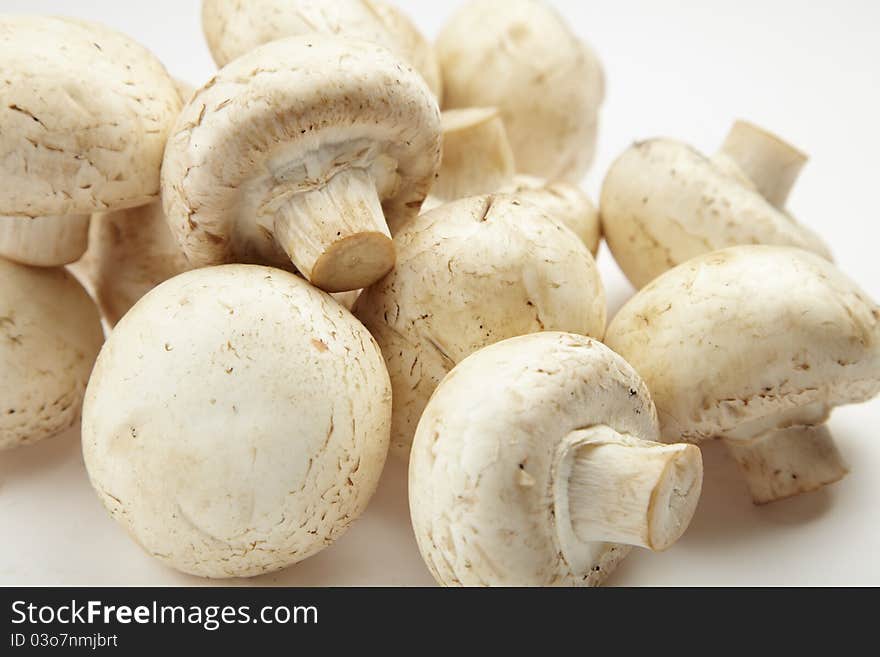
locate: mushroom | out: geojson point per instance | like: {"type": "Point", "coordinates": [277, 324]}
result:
{"type": "Point", "coordinates": [762, 160]}
{"type": "Point", "coordinates": [521, 57]}
{"type": "Point", "coordinates": [471, 273]}
{"type": "Point", "coordinates": [84, 115]}
{"type": "Point", "coordinates": [346, 299]}
{"type": "Point", "coordinates": [50, 334]}
{"type": "Point", "coordinates": [663, 202]}
{"type": "Point", "coordinates": [233, 28]}
{"type": "Point", "coordinates": [292, 153]}
{"type": "Point", "coordinates": [410, 43]}
{"type": "Point", "coordinates": [562, 200]}
{"type": "Point", "coordinates": [756, 345]}
{"type": "Point", "coordinates": [259, 428]}
{"type": "Point", "coordinates": [535, 464]}
{"type": "Point", "coordinates": [130, 252]}
{"type": "Point", "coordinates": [477, 159]}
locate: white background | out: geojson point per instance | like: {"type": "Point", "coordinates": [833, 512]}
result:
{"type": "Point", "coordinates": [685, 69]}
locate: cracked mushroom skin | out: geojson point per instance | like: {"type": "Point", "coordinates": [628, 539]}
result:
{"type": "Point", "coordinates": [535, 464]}
{"type": "Point", "coordinates": [662, 202]}
{"type": "Point", "coordinates": [304, 150]}
{"type": "Point", "coordinates": [755, 345]}
{"type": "Point", "coordinates": [521, 57]}
{"type": "Point", "coordinates": [471, 273]}
{"type": "Point", "coordinates": [50, 334]}
{"type": "Point", "coordinates": [233, 28]}
{"type": "Point", "coordinates": [84, 115]}
{"type": "Point", "coordinates": [259, 430]}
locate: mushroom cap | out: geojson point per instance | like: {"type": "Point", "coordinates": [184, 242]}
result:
{"type": "Point", "coordinates": [130, 252]}
{"type": "Point", "coordinates": [662, 203]}
{"type": "Point", "coordinates": [502, 412]}
{"type": "Point", "coordinates": [233, 28]}
{"type": "Point", "coordinates": [84, 115]}
{"type": "Point", "coordinates": [749, 333]}
{"type": "Point", "coordinates": [410, 44]}
{"type": "Point", "coordinates": [50, 334]}
{"type": "Point", "coordinates": [521, 57]}
{"type": "Point", "coordinates": [283, 119]}
{"type": "Point", "coordinates": [564, 201]}
{"type": "Point", "coordinates": [470, 273]}
{"type": "Point", "coordinates": [260, 425]}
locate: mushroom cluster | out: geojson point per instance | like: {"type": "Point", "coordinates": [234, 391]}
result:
{"type": "Point", "coordinates": [350, 240]}
{"type": "Point", "coordinates": [84, 118]}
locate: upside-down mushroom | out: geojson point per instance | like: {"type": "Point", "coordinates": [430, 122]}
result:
{"type": "Point", "coordinates": [535, 464]}
{"type": "Point", "coordinates": [303, 151]}
{"type": "Point", "coordinates": [259, 425]}
{"type": "Point", "coordinates": [755, 345]}
{"type": "Point", "coordinates": [471, 273]}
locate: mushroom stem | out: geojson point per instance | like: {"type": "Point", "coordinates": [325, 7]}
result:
{"type": "Point", "coordinates": [781, 463]}
{"type": "Point", "coordinates": [636, 492]}
{"type": "Point", "coordinates": [769, 162]}
{"type": "Point", "coordinates": [477, 156]}
{"type": "Point", "coordinates": [49, 241]}
{"type": "Point", "coordinates": [336, 235]}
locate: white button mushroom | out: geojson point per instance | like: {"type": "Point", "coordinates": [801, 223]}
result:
{"type": "Point", "coordinates": [561, 200]}
{"type": "Point", "coordinates": [755, 344]}
{"type": "Point", "coordinates": [50, 334]}
{"type": "Point", "coordinates": [521, 57]}
{"type": "Point", "coordinates": [662, 202]}
{"type": "Point", "coordinates": [410, 43]}
{"type": "Point", "coordinates": [293, 151]}
{"type": "Point", "coordinates": [236, 421]}
{"type": "Point", "coordinates": [233, 28]}
{"type": "Point", "coordinates": [130, 252]}
{"type": "Point", "coordinates": [471, 273]}
{"type": "Point", "coordinates": [84, 115]}
{"type": "Point", "coordinates": [478, 159]}
{"type": "Point", "coordinates": [534, 461]}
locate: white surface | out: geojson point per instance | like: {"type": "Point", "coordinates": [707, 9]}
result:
{"type": "Point", "coordinates": [684, 70]}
